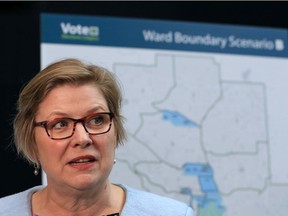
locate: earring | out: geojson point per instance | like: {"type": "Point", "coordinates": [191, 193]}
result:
{"type": "Point", "coordinates": [36, 169]}
{"type": "Point", "coordinates": [114, 161]}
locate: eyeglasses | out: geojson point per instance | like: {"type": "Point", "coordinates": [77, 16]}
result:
{"type": "Point", "coordinates": [63, 128]}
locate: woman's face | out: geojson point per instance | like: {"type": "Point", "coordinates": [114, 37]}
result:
{"type": "Point", "coordinates": [82, 161]}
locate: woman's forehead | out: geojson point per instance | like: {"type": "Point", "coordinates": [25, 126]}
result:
{"type": "Point", "coordinates": [73, 99]}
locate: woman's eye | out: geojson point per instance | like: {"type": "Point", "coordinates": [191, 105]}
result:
{"type": "Point", "coordinates": [97, 120]}
{"type": "Point", "coordinates": [59, 124]}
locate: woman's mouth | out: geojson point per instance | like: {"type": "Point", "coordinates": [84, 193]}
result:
{"type": "Point", "coordinates": [83, 162]}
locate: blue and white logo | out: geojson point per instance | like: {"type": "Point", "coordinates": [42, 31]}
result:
{"type": "Point", "coordinates": [79, 32]}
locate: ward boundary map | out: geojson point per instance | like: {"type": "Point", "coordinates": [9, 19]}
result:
{"type": "Point", "coordinates": [206, 125]}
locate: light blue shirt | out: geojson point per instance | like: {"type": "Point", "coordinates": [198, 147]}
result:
{"type": "Point", "coordinates": [138, 203]}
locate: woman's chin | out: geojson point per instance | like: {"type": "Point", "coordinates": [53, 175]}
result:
{"type": "Point", "coordinates": [84, 182]}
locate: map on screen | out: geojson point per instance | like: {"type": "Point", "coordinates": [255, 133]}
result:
{"type": "Point", "coordinates": [205, 107]}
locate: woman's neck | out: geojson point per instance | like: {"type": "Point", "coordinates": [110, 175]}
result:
{"type": "Point", "coordinates": [101, 201]}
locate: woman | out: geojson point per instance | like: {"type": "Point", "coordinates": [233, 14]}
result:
{"type": "Point", "coordinates": [69, 122]}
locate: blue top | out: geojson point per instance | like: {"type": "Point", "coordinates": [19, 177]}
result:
{"type": "Point", "coordinates": [138, 203]}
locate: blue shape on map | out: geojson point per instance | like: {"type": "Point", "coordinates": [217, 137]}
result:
{"type": "Point", "coordinates": [211, 200]}
{"type": "Point", "coordinates": [177, 119]}
{"type": "Point", "coordinates": [207, 183]}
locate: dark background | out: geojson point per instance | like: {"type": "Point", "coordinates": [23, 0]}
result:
{"type": "Point", "coordinates": [20, 51]}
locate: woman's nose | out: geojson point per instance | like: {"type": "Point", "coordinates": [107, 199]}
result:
{"type": "Point", "coordinates": [81, 137]}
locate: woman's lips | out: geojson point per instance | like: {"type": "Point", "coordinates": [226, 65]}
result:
{"type": "Point", "coordinates": [83, 162]}
{"type": "Point", "coordinates": [83, 159]}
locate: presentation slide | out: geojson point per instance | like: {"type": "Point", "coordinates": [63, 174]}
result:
{"type": "Point", "coordinates": [206, 107]}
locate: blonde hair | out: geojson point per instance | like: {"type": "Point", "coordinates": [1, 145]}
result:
{"type": "Point", "coordinates": [68, 71]}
